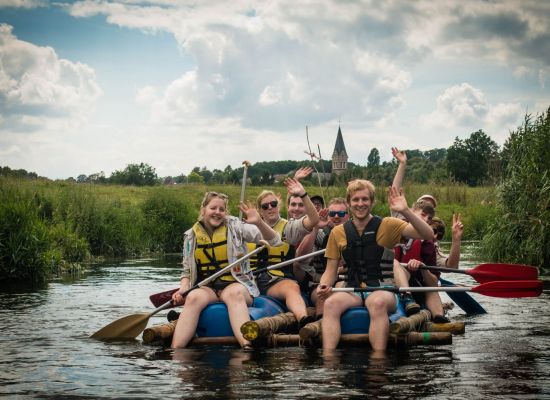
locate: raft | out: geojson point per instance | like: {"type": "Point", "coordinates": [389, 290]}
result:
{"type": "Point", "coordinates": [272, 326]}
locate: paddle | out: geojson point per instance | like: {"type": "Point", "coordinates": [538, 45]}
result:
{"type": "Point", "coordinates": [484, 273]}
{"type": "Point", "coordinates": [506, 289]}
{"type": "Point", "coordinates": [462, 299]}
{"type": "Point", "coordinates": [246, 164]}
{"type": "Point", "coordinates": [130, 326]}
{"type": "Point", "coordinates": [160, 298]}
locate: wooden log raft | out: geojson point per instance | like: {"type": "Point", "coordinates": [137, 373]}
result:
{"type": "Point", "coordinates": [264, 327]}
{"type": "Point", "coordinates": [421, 322]}
{"type": "Point", "coordinates": [362, 339]}
{"type": "Point", "coordinates": [158, 334]}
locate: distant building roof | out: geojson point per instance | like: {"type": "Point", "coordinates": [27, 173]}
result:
{"type": "Point", "coordinates": [339, 147]}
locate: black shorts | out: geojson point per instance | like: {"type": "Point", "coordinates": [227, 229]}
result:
{"type": "Point", "coordinates": [265, 280]}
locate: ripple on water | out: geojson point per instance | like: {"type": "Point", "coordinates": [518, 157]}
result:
{"type": "Point", "coordinates": [45, 351]}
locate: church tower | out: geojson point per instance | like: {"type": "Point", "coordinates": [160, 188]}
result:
{"type": "Point", "coordinates": [339, 155]}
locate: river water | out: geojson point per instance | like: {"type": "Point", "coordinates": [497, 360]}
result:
{"type": "Point", "coordinates": [46, 352]}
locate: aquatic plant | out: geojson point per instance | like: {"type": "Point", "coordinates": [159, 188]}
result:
{"type": "Point", "coordinates": [521, 230]}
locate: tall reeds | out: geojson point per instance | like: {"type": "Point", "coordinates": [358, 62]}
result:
{"type": "Point", "coordinates": [521, 230]}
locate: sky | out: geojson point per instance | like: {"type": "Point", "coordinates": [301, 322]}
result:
{"type": "Point", "coordinates": [92, 86]}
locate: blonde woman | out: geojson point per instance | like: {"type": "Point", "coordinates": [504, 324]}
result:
{"type": "Point", "coordinates": [281, 283]}
{"type": "Point", "coordinates": [212, 243]}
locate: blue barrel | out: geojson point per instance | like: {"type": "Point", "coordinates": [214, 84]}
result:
{"type": "Point", "coordinates": [357, 319]}
{"type": "Point", "coordinates": [214, 319]}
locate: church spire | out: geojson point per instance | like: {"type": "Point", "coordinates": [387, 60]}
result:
{"type": "Point", "coordinates": [339, 155]}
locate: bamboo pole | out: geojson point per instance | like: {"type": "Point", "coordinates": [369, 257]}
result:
{"type": "Point", "coordinates": [410, 324]}
{"type": "Point", "coordinates": [311, 330]}
{"type": "Point", "coordinates": [159, 333]}
{"type": "Point", "coordinates": [455, 328]}
{"type": "Point", "coordinates": [263, 327]}
{"type": "Point", "coordinates": [362, 339]}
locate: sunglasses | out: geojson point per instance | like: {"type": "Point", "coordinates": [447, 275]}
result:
{"type": "Point", "coordinates": [273, 204]}
{"type": "Point", "coordinates": [341, 214]}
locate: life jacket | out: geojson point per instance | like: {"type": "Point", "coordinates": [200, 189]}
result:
{"type": "Point", "coordinates": [320, 262]}
{"type": "Point", "coordinates": [407, 252]}
{"type": "Point", "coordinates": [362, 254]}
{"type": "Point", "coordinates": [274, 255]}
{"type": "Point", "coordinates": [211, 252]}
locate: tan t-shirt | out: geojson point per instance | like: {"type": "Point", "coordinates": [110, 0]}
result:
{"type": "Point", "coordinates": [388, 235]}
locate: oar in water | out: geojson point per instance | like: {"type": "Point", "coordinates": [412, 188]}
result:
{"type": "Point", "coordinates": [160, 298]}
{"type": "Point", "coordinates": [484, 273]}
{"type": "Point", "coordinates": [462, 299]}
{"type": "Point", "coordinates": [507, 289]}
{"type": "Point", "coordinates": [132, 325]}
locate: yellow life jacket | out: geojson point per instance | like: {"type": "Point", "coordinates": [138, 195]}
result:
{"type": "Point", "coordinates": [211, 252]}
{"type": "Point", "coordinates": [276, 254]}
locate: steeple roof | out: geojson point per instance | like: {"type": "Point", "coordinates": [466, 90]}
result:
{"type": "Point", "coordinates": [339, 147]}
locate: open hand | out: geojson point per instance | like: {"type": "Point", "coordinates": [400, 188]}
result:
{"type": "Point", "coordinates": [250, 214]}
{"type": "Point", "coordinates": [397, 200]}
{"type": "Point", "coordinates": [400, 156]}
{"type": "Point", "coordinates": [323, 218]}
{"type": "Point", "coordinates": [294, 187]}
{"type": "Point", "coordinates": [302, 173]}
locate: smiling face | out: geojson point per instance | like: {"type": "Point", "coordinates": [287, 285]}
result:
{"type": "Point", "coordinates": [271, 214]}
{"type": "Point", "coordinates": [333, 210]}
{"type": "Point", "coordinates": [360, 204]}
{"type": "Point", "coordinates": [296, 208]}
{"type": "Point", "coordinates": [214, 213]}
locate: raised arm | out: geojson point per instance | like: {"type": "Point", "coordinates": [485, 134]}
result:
{"type": "Point", "coordinates": [401, 157]}
{"type": "Point", "coordinates": [457, 231]}
{"type": "Point", "coordinates": [295, 188]}
{"type": "Point", "coordinates": [417, 228]}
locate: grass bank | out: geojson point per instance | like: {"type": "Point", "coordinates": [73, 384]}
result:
{"type": "Point", "coordinates": [48, 227]}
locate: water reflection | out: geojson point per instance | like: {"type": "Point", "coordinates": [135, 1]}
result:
{"type": "Point", "coordinates": [45, 350]}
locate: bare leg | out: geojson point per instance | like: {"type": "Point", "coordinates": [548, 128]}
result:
{"type": "Point", "coordinates": [289, 291]}
{"type": "Point", "coordinates": [237, 299]}
{"type": "Point", "coordinates": [335, 305]}
{"type": "Point", "coordinates": [380, 304]}
{"type": "Point", "coordinates": [196, 301]}
{"type": "Point", "coordinates": [400, 275]}
{"type": "Point", "coordinates": [433, 301]}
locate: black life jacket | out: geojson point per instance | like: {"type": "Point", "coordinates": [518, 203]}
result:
{"type": "Point", "coordinates": [320, 262]}
{"type": "Point", "coordinates": [362, 254]}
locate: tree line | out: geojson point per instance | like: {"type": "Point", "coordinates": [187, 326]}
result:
{"type": "Point", "coordinates": [476, 160]}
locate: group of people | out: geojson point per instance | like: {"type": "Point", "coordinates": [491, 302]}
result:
{"type": "Point", "coordinates": [356, 242]}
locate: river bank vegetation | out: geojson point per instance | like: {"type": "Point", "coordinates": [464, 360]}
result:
{"type": "Point", "coordinates": [47, 227]}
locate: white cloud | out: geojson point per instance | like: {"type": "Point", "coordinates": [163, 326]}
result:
{"type": "Point", "coordinates": [36, 85]}
{"type": "Point", "coordinates": [23, 3]}
{"type": "Point", "coordinates": [466, 107]}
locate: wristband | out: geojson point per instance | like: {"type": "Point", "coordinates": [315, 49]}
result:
{"type": "Point", "coordinates": [304, 195]}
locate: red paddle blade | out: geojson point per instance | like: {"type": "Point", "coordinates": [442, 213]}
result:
{"type": "Point", "coordinates": [510, 288]}
{"type": "Point", "coordinates": [503, 272]}
{"type": "Point", "coordinates": [158, 299]}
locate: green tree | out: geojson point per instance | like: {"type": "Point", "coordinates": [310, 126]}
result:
{"type": "Point", "coordinates": [468, 160]}
{"type": "Point", "coordinates": [135, 174]}
{"type": "Point", "coordinates": [194, 177]}
{"type": "Point", "coordinates": [373, 160]}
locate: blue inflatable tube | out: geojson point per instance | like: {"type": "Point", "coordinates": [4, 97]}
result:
{"type": "Point", "coordinates": [357, 319]}
{"type": "Point", "coordinates": [214, 320]}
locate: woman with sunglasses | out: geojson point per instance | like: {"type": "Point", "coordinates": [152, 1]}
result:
{"type": "Point", "coordinates": [309, 272]}
{"type": "Point", "coordinates": [213, 242]}
{"type": "Point", "coordinates": [281, 283]}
